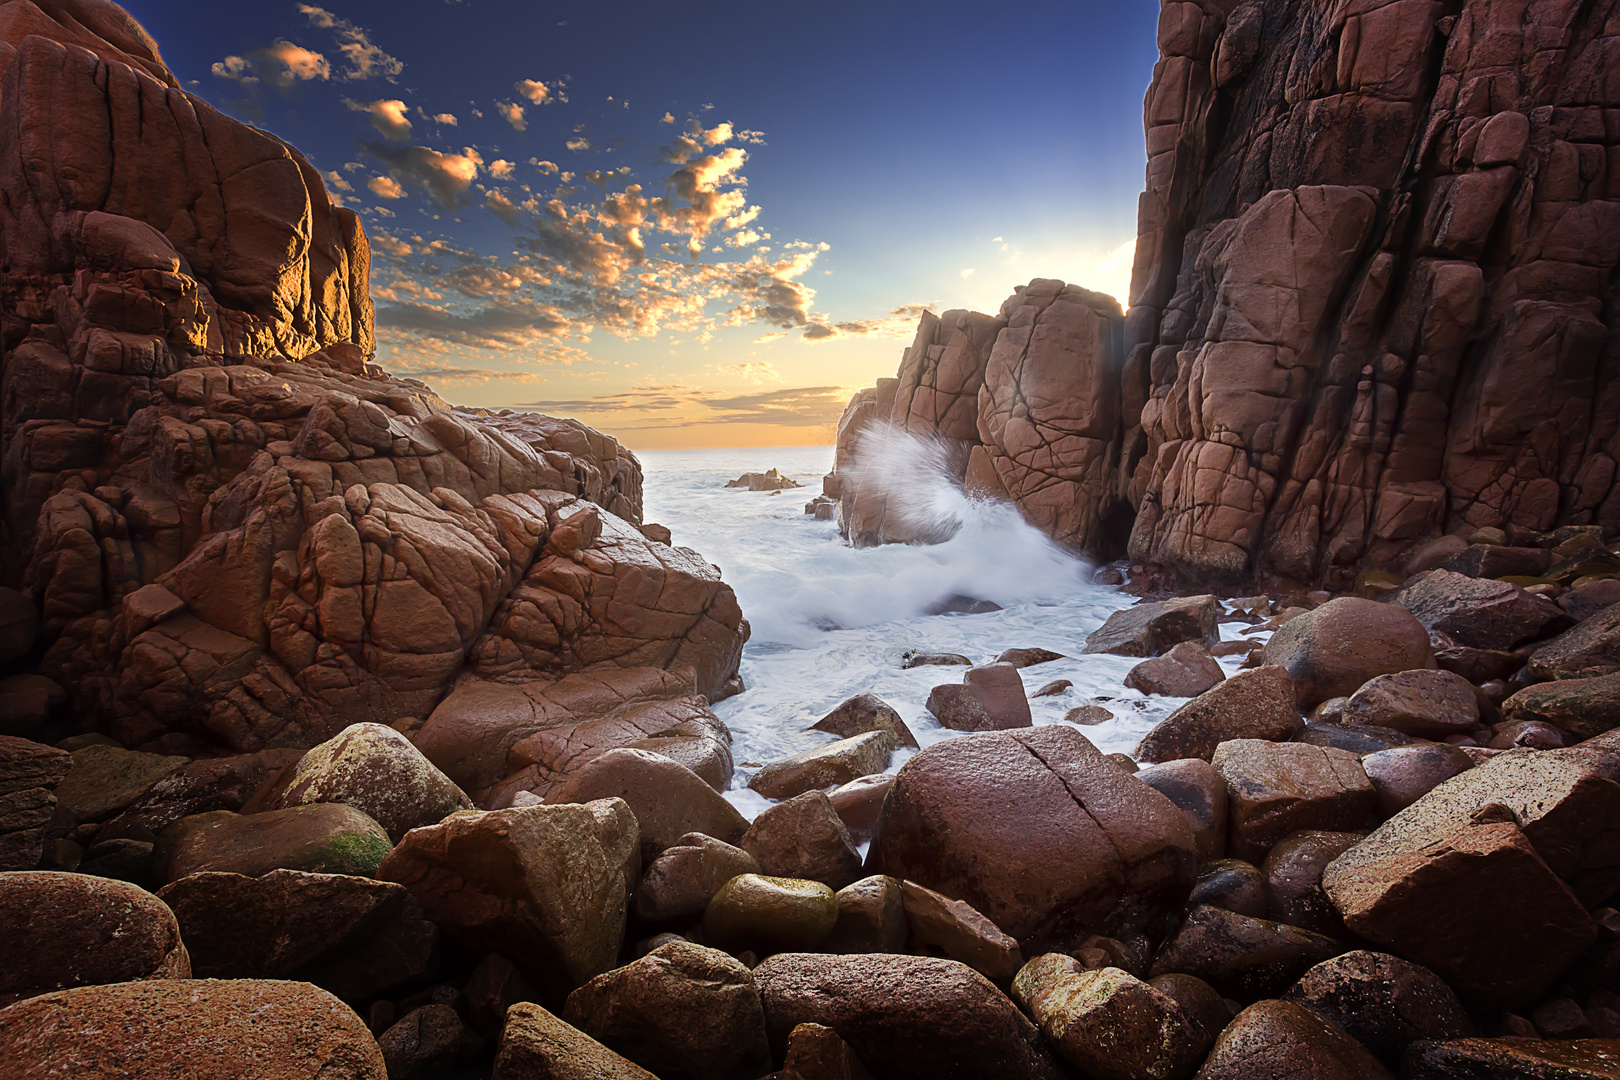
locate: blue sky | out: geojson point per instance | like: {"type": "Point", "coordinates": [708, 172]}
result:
{"type": "Point", "coordinates": [700, 224]}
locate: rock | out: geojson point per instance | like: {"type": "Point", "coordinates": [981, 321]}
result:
{"type": "Point", "coordinates": [1200, 793]}
{"type": "Point", "coordinates": [1088, 715]}
{"type": "Point", "coordinates": [1053, 688]}
{"type": "Point", "coordinates": [1382, 1001]}
{"type": "Point", "coordinates": [867, 712]}
{"type": "Point", "coordinates": [1293, 878]}
{"type": "Point", "coordinates": [681, 881]}
{"type": "Point", "coordinates": [535, 1045]}
{"type": "Point", "coordinates": [1039, 833]}
{"type": "Point", "coordinates": [1023, 658]}
{"type": "Point", "coordinates": [1590, 650]}
{"type": "Point", "coordinates": [803, 838]}
{"type": "Point", "coordinates": [1187, 670]}
{"type": "Point", "coordinates": [1475, 665]}
{"type": "Point", "coordinates": [1583, 707]}
{"type": "Point", "coordinates": [958, 604]}
{"type": "Point", "coordinates": [926, 659]}
{"type": "Point", "coordinates": [1332, 650]}
{"type": "Point", "coordinates": [29, 773]}
{"type": "Point", "coordinates": [1584, 601]}
{"type": "Point", "coordinates": [1511, 1059]}
{"type": "Point", "coordinates": [204, 785]}
{"type": "Point", "coordinates": [190, 1029]}
{"type": "Point", "coordinates": [105, 779]}
{"type": "Point", "coordinates": [1481, 614]}
{"type": "Point", "coordinates": [1230, 884]}
{"type": "Point", "coordinates": [771, 914]}
{"type": "Point", "coordinates": [1107, 1023]}
{"type": "Point", "coordinates": [683, 1012]}
{"type": "Point", "coordinates": [19, 622]}
{"type": "Point", "coordinates": [871, 918]}
{"type": "Point", "coordinates": [1242, 957]}
{"type": "Point", "coordinates": [1528, 733]}
{"type": "Point", "coordinates": [770, 480]}
{"type": "Point", "coordinates": [1402, 775]}
{"type": "Point", "coordinates": [377, 771]}
{"type": "Point", "coordinates": [27, 703]}
{"type": "Point", "coordinates": [1492, 560]}
{"type": "Point", "coordinates": [950, 1024]}
{"type": "Point", "coordinates": [1254, 704]}
{"type": "Point", "coordinates": [1357, 739]}
{"type": "Point", "coordinates": [1423, 702]}
{"type": "Point", "coordinates": [1274, 789]}
{"type": "Point", "coordinates": [320, 838]}
{"type": "Point", "coordinates": [989, 698]}
{"type": "Point", "coordinates": [960, 932]}
{"type": "Point", "coordinates": [1199, 1002]}
{"type": "Point", "coordinates": [1280, 1038]}
{"type": "Point", "coordinates": [67, 930]}
{"type": "Point", "coordinates": [352, 936]}
{"type": "Point", "coordinates": [815, 1052]}
{"type": "Point", "coordinates": [668, 799]}
{"type": "Point", "coordinates": [1151, 629]}
{"type": "Point", "coordinates": [825, 766]}
{"type": "Point", "coordinates": [493, 988]}
{"type": "Point", "coordinates": [859, 802]}
{"type": "Point", "coordinates": [424, 1044]}
{"type": "Point", "coordinates": [545, 886]}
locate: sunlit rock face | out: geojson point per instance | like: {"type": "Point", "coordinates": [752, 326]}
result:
{"type": "Point", "coordinates": [240, 532]}
{"type": "Point", "coordinates": [1372, 304]}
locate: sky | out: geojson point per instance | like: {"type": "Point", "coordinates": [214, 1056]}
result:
{"type": "Point", "coordinates": [691, 225]}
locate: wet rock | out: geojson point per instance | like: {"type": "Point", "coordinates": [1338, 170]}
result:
{"type": "Point", "coordinates": [1254, 704]}
{"type": "Point", "coordinates": [770, 914]}
{"type": "Point", "coordinates": [186, 1028]}
{"type": "Point", "coordinates": [804, 838]}
{"type": "Point", "coordinates": [29, 773]}
{"type": "Point", "coordinates": [1425, 702]}
{"type": "Point", "coordinates": [320, 838]}
{"type": "Point", "coordinates": [1200, 793]}
{"type": "Point", "coordinates": [668, 799]}
{"type": "Point", "coordinates": [1107, 1023]}
{"type": "Point", "coordinates": [1583, 707]}
{"type": "Point", "coordinates": [1280, 1038]}
{"type": "Point", "coordinates": [1511, 1059]}
{"type": "Point", "coordinates": [1088, 715]}
{"type": "Point", "coordinates": [859, 803]}
{"type": "Point", "coordinates": [1038, 832]}
{"type": "Point", "coordinates": [1274, 789]}
{"type": "Point", "coordinates": [105, 779]}
{"type": "Point", "coordinates": [1402, 775]}
{"type": "Point", "coordinates": [989, 698]}
{"type": "Point", "coordinates": [1151, 629]}
{"type": "Point", "coordinates": [545, 886]}
{"type": "Point", "coordinates": [958, 604]}
{"type": "Point", "coordinates": [377, 771]}
{"type": "Point", "coordinates": [871, 918]}
{"type": "Point", "coordinates": [1187, 670]}
{"type": "Point", "coordinates": [1230, 884]}
{"type": "Point", "coordinates": [1355, 738]}
{"type": "Point", "coordinates": [1023, 658]}
{"type": "Point", "coordinates": [960, 932]}
{"type": "Point", "coordinates": [1330, 651]}
{"type": "Point", "coordinates": [815, 1052]}
{"type": "Point", "coordinates": [1385, 1003]}
{"type": "Point", "coordinates": [825, 766]}
{"type": "Point", "coordinates": [1293, 877]}
{"type": "Point", "coordinates": [1590, 650]}
{"type": "Point", "coordinates": [683, 1012]}
{"type": "Point", "coordinates": [1053, 688]}
{"type": "Point", "coordinates": [927, 659]}
{"type": "Point", "coordinates": [1242, 957]}
{"type": "Point", "coordinates": [67, 930]}
{"type": "Point", "coordinates": [950, 1024]}
{"type": "Point", "coordinates": [681, 881]}
{"type": "Point", "coordinates": [1481, 614]}
{"type": "Point", "coordinates": [535, 1045]}
{"type": "Point", "coordinates": [868, 712]}
{"type": "Point", "coordinates": [424, 1044]}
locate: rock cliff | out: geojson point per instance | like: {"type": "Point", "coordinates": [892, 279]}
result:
{"type": "Point", "coordinates": [238, 532]}
{"type": "Point", "coordinates": [1373, 303]}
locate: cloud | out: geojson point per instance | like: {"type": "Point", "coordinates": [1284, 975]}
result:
{"type": "Point", "coordinates": [281, 64]}
{"type": "Point", "coordinates": [364, 60]}
{"type": "Point", "coordinates": [756, 372]}
{"type": "Point", "coordinates": [539, 93]}
{"type": "Point", "coordinates": [386, 187]}
{"type": "Point", "coordinates": [447, 176]}
{"type": "Point", "coordinates": [390, 244]}
{"type": "Point", "coordinates": [506, 325]}
{"type": "Point", "coordinates": [803, 406]}
{"type": "Point", "coordinates": [549, 168]}
{"type": "Point", "coordinates": [501, 169]}
{"type": "Point", "coordinates": [900, 322]}
{"type": "Point", "coordinates": [578, 143]}
{"type": "Point", "coordinates": [512, 113]}
{"type": "Point", "coordinates": [336, 182]}
{"type": "Point", "coordinates": [968, 272]}
{"type": "Point", "coordinates": [448, 119]}
{"type": "Point", "coordinates": [387, 116]}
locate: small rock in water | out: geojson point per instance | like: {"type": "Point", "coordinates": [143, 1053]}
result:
{"type": "Point", "coordinates": [990, 698]}
{"type": "Point", "coordinates": [957, 604]}
{"type": "Point", "coordinates": [1023, 658]}
{"type": "Point", "coordinates": [1088, 715]}
{"type": "Point", "coordinates": [771, 480]}
{"type": "Point", "coordinates": [867, 712]}
{"type": "Point", "coordinates": [1053, 688]}
{"type": "Point", "coordinates": [933, 659]}
{"type": "Point", "coordinates": [1187, 670]}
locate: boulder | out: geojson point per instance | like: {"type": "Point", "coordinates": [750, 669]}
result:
{"type": "Point", "coordinates": [105, 779]}
{"type": "Point", "coordinates": [320, 838]}
{"type": "Point", "coordinates": [859, 803]}
{"type": "Point", "coordinates": [1023, 658]}
{"type": "Point", "coordinates": [204, 785]}
{"type": "Point", "coordinates": [1584, 601]}
{"type": "Point", "coordinates": [1187, 670]}
{"type": "Point", "coordinates": [189, 1029]}
{"type": "Point", "coordinates": [1293, 877]}
{"type": "Point", "coordinates": [29, 773]}
{"type": "Point", "coordinates": [960, 933]}
{"type": "Point", "coordinates": [815, 1052]}
{"type": "Point", "coordinates": [825, 766]}
{"type": "Point", "coordinates": [867, 712]}
{"type": "Point", "coordinates": [1425, 702]}
{"type": "Point", "coordinates": [67, 930]}
{"type": "Point", "coordinates": [951, 1023]}
{"type": "Point", "coordinates": [1253, 704]}
{"type": "Point", "coordinates": [1199, 1001]}
{"type": "Point", "coordinates": [1242, 957]}
{"type": "Point", "coordinates": [1590, 650]}
{"type": "Point", "coordinates": [545, 886]}
{"type": "Point", "coordinates": [377, 771]}
{"type": "Point", "coordinates": [1385, 1003]}
{"type": "Point", "coordinates": [804, 838]}
{"type": "Point", "coordinates": [424, 1044]}
{"type": "Point", "coordinates": [871, 918]}
{"type": "Point", "coordinates": [1038, 832]}
{"type": "Point", "coordinates": [1330, 651]}
{"type": "Point", "coordinates": [1582, 707]}
{"type": "Point", "coordinates": [1512, 1059]}
{"type": "Point", "coordinates": [1108, 1024]}
{"type": "Point", "coordinates": [1274, 789]}
{"type": "Point", "coordinates": [989, 698]}
{"type": "Point", "coordinates": [1200, 793]}
{"type": "Point", "coordinates": [535, 1045]}
{"type": "Point", "coordinates": [1402, 775]}
{"type": "Point", "coordinates": [683, 1012]}
{"type": "Point", "coordinates": [770, 914]}
{"type": "Point", "coordinates": [1232, 885]}
{"type": "Point", "coordinates": [681, 881]}
{"type": "Point", "coordinates": [668, 799]}
{"type": "Point", "coordinates": [1356, 738]}
{"type": "Point", "coordinates": [494, 986]}
{"type": "Point", "coordinates": [1151, 629]}
{"type": "Point", "coordinates": [1479, 613]}
{"type": "Point", "coordinates": [1498, 560]}
{"type": "Point", "coordinates": [1280, 1038]}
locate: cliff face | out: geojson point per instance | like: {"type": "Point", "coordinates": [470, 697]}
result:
{"type": "Point", "coordinates": [1373, 300]}
{"type": "Point", "coordinates": [238, 532]}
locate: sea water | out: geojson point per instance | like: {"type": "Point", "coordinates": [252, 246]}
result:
{"type": "Point", "coordinates": [831, 621]}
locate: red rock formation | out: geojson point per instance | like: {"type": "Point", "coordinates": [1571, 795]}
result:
{"type": "Point", "coordinates": [240, 532]}
{"type": "Point", "coordinates": [1372, 302]}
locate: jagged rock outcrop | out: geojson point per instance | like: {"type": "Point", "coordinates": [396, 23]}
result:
{"type": "Point", "coordinates": [1373, 303]}
{"type": "Point", "coordinates": [241, 533]}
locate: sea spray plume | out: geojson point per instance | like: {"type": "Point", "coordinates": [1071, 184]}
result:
{"type": "Point", "coordinates": [918, 479]}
